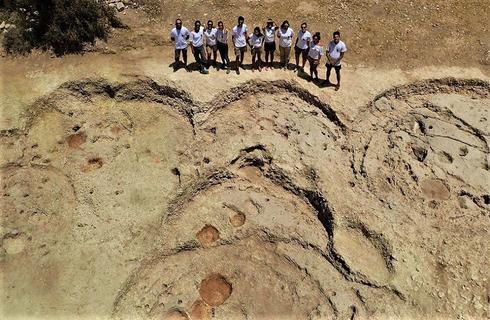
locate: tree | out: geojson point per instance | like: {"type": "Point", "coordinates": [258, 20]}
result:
{"type": "Point", "coordinates": [63, 26]}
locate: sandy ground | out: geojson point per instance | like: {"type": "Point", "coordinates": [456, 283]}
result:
{"type": "Point", "coordinates": [130, 191]}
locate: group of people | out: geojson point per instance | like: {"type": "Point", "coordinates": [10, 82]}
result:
{"type": "Point", "coordinates": [206, 42]}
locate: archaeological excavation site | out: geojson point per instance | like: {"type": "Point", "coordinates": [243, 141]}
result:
{"type": "Point", "coordinates": [129, 191]}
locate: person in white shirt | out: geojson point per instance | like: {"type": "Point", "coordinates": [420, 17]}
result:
{"type": "Point", "coordinates": [302, 45]}
{"type": "Point", "coordinates": [314, 55]}
{"type": "Point", "coordinates": [211, 45]}
{"type": "Point", "coordinates": [240, 38]}
{"type": "Point", "coordinates": [256, 44]}
{"type": "Point", "coordinates": [180, 35]}
{"type": "Point", "coordinates": [285, 35]}
{"type": "Point", "coordinates": [222, 44]}
{"type": "Point", "coordinates": [269, 42]}
{"type": "Point", "coordinates": [197, 46]}
{"type": "Point", "coordinates": [335, 53]}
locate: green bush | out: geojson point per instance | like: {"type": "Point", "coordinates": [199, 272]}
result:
{"type": "Point", "coordinates": [63, 26]}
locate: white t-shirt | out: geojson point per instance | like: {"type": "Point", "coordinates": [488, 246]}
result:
{"type": "Point", "coordinates": [285, 37]}
{"type": "Point", "coordinates": [239, 35]}
{"type": "Point", "coordinates": [210, 36]}
{"type": "Point", "coordinates": [197, 38]}
{"type": "Point", "coordinates": [316, 51]}
{"type": "Point", "coordinates": [255, 41]}
{"type": "Point", "coordinates": [303, 38]}
{"type": "Point", "coordinates": [334, 50]}
{"type": "Point", "coordinates": [269, 34]}
{"type": "Point", "coordinates": [180, 37]}
{"type": "Point", "coordinates": [222, 36]}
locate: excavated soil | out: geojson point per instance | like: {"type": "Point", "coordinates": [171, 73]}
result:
{"type": "Point", "coordinates": [132, 200]}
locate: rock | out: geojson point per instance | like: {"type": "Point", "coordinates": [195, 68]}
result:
{"type": "Point", "coordinates": [2, 25]}
{"type": "Point", "coordinates": [486, 58]}
{"type": "Point", "coordinates": [120, 6]}
{"type": "Point", "coordinates": [419, 152]}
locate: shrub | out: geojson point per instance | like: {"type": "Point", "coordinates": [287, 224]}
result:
{"type": "Point", "coordinates": [14, 41]}
{"type": "Point", "coordinates": [63, 26]}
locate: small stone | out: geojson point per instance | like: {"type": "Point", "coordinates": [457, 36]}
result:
{"type": "Point", "coordinates": [2, 25]}
{"type": "Point", "coordinates": [120, 6]}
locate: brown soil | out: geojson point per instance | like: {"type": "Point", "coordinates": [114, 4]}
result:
{"type": "Point", "coordinates": [76, 140]}
{"type": "Point", "coordinates": [434, 189]}
{"type": "Point", "coordinates": [215, 290]}
{"type": "Point", "coordinates": [238, 219]}
{"type": "Point", "coordinates": [201, 311]}
{"type": "Point", "coordinates": [207, 235]}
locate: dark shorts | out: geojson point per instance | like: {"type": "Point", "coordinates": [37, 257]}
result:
{"type": "Point", "coordinates": [270, 46]}
{"type": "Point", "coordinates": [301, 51]}
{"type": "Point", "coordinates": [337, 68]}
{"type": "Point", "coordinates": [178, 51]}
{"type": "Point", "coordinates": [239, 50]}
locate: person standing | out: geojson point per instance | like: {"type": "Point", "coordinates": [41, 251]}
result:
{"type": "Point", "coordinates": [240, 38]}
{"type": "Point", "coordinates": [269, 42]}
{"type": "Point", "coordinates": [336, 50]}
{"type": "Point", "coordinates": [302, 45]}
{"type": "Point", "coordinates": [180, 35]}
{"type": "Point", "coordinates": [256, 44]}
{"type": "Point", "coordinates": [315, 53]}
{"type": "Point", "coordinates": [222, 44]}
{"type": "Point", "coordinates": [211, 46]}
{"type": "Point", "coordinates": [197, 46]}
{"type": "Point", "coordinates": [285, 35]}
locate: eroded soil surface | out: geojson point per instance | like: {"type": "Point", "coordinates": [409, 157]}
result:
{"type": "Point", "coordinates": [132, 200]}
